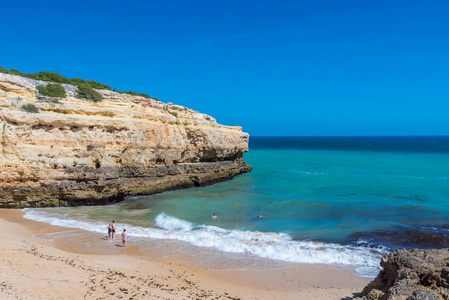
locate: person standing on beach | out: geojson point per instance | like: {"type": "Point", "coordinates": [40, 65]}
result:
{"type": "Point", "coordinates": [109, 231]}
{"type": "Point", "coordinates": [113, 229]}
{"type": "Point", "coordinates": [124, 238]}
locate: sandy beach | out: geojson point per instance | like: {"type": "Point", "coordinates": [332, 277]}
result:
{"type": "Point", "coordinates": [33, 268]}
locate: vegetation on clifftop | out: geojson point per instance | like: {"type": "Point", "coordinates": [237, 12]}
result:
{"type": "Point", "coordinates": [135, 94]}
{"type": "Point", "coordinates": [85, 91]}
{"type": "Point", "coordinates": [88, 85]}
{"type": "Point", "coordinates": [55, 77]}
{"type": "Point", "coordinates": [52, 90]}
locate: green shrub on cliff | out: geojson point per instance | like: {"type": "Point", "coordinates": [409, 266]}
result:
{"type": "Point", "coordinates": [48, 76]}
{"type": "Point", "coordinates": [3, 70]}
{"type": "Point", "coordinates": [15, 72]}
{"type": "Point", "coordinates": [58, 78]}
{"type": "Point", "coordinates": [133, 94]}
{"type": "Point", "coordinates": [52, 90]}
{"type": "Point", "coordinates": [85, 91]}
{"type": "Point", "coordinates": [30, 107]}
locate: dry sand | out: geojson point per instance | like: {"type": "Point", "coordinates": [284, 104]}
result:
{"type": "Point", "coordinates": [33, 268]}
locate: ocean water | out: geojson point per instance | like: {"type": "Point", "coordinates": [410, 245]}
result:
{"type": "Point", "coordinates": [341, 201]}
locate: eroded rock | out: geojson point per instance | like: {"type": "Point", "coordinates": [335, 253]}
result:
{"type": "Point", "coordinates": [75, 152]}
{"type": "Point", "coordinates": [411, 275]}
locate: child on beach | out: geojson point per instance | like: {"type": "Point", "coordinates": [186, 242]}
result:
{"type": "Point", "coordinates": [113, 229]}
{"type": "Point", "coordinates": [109, 231]}
{"type": "Point", "coordinates": [124, 238]}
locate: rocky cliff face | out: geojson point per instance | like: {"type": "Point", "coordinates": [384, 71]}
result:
{"type": "Point", "coordinates": [77, 152]}
{"type": "Point", "coordinates": [411, 275]}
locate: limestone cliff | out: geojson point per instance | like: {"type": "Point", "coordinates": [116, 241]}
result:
{"type": "Point", "coordinates": [77, 152]}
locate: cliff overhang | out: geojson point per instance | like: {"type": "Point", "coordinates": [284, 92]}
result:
{"type": "Point", "coordinates": [77, 152]}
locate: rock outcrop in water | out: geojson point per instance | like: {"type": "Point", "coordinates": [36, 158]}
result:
{"type": "Point", "coordinates": [77, 152]}
{"type": "Point", "coordinates": [411, 275]}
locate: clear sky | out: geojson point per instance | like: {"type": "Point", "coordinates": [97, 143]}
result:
{"type": "Point", "coordinates": [273, 67]}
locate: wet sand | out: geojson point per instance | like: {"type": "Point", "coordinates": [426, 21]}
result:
{"type": "Point", "coordinates": [35, 268]}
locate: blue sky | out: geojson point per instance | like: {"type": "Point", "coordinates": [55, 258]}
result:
{"type": "Point", "coordinates": [273, 67]}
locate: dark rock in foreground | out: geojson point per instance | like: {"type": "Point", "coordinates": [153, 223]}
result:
{"type": "Point", "coordinates": [411, 275]}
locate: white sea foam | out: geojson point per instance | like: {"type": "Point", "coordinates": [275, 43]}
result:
{"type": "Point", "coordinates": [278, 246]}
{"type": "Point", "coordinates": [170, 223]}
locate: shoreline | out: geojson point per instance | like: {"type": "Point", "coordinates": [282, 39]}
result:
{"type": "Point", "coordinates": [141, 275]}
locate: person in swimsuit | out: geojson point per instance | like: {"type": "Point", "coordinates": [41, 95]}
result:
{"type": "Point", "coordinates": [109, 231]}
{"type": "Point", "coordinates": [214, 216]}
{"type": "Point", "coordinates": [124, 238]}
{"type": "Point", "coordinates": [113, 229]}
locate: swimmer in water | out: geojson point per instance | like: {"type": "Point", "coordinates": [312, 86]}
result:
{"type": "Point", "coordinates": [259, 216]}
{"type": "Point", "coordinates": [214, 216]}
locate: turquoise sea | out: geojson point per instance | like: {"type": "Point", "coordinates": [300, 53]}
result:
{"type": "Point", "coordinates": [343, 201]}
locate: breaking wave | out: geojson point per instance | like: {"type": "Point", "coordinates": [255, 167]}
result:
{"type": "Point", "coordinates": [279, 246]}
